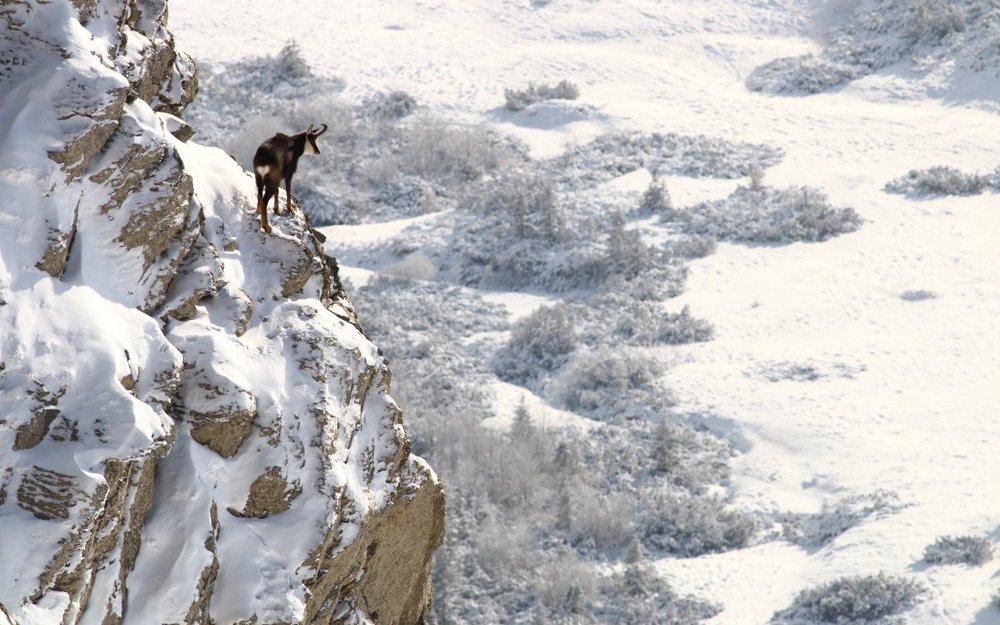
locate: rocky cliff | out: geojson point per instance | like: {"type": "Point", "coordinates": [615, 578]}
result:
{"type": "Point", "coordinates": [194, 428]}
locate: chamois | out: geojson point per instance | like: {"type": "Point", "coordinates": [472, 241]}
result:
{"type": "Point", "coordinates": [275, 160]}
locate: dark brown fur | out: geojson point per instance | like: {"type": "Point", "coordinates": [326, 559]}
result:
{"type": "Point", "coordinates": [275, 160]}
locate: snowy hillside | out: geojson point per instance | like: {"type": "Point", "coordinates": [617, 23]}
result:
{"type": "Point", "coordinates": [692, 323]}
{"type": "Point", "coordinates": [195, 428]}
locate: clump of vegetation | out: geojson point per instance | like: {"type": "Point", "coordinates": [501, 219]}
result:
{"type": "Point", "coordinates": [860, 600]}
{"type": "Point", "coordinates": [972, 550]}
{"type": "Point", "coordinates": [942, 180]}
{"type": "Point", "coordinates": [616, 154]}
{"type": "Point", "coordinates": [835, 518]}
{"type": "Point", "coordinates": [656, 198]}
{"type": "Point", "coordinates": [607, 384]}
{"type": "Point", "coordinates": [880, 33]}
{"type": "Point", "coordinates": [693, 526]}
{"type": "Point", "coordinates": [769, 215]}
{"type": "Point", "coordinates": [393, 105]}
{"type": "Point", "coordinates": [540, 344]}
{"type": "Point", "coordinates": [520, 99]}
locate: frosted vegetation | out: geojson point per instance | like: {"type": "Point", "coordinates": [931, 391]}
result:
{"type": "Point", "coordinates": [760, 214]}
{"type": "Point", "coordinates": [862, 600]}
{"type": "Point", "coordinates": [881, 33]}
{"type": "Point", "coordinates": [816, 530]}
{"type": "Point", "coordinates": [533, 510]}
{"type": "Point", "coordinates": [520, 99]}
{"type": "Point", "coordinates": [942, 180]}
{"type": "Point", "coordinates": [545, 524]}
{"type": "Point", "coordinates": [971, 550]}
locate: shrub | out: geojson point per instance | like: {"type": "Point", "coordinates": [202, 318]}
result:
{"type": "Point", "coordinates": [939, 180]}
{"type": "Point", "coordinates": [771, 215]}
{"type": "Point", "coordinates": [880, 33]}
{"type": "Point", "coordinates": [566, 583]}
{"type": "Point", "coordinates": [656, 198]}
{"type": "Point", "coordinates": [539, 345]}
{"type": "Point", "coordinates": [646, 324]}
{"type": "Point", "coordinates": [613, 155]}
{"type": "Point", "coordinates": [692, 247]}
{"type": "Point", "coordinates": [973, 550]}
{"type": "Point", "coordinates": [836, 518]}
{"type": "Point", "coordinates": [606, 383]}
{"type": "Point", "coordinates": [932, 20]}
{"type": "Point", "coordinates": [857, 600]}
{"type": "Point", "coordinates": [801, 74]}
{"type": "Point", "coordinates": [525, 205]}
{"type": "Point", "coordinates": [451, 155]}
{"type": "Point", "coordinates": [394, 105]}
{"type": "Point", "coordinates": [600, 521]}
{"type": "Point", "coordinates": [692, 526]}
{"type": "Point", "coordinates": [520, 99]}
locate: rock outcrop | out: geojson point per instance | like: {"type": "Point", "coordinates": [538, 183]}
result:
{"type": "Point", "coordinates": [195, 428]}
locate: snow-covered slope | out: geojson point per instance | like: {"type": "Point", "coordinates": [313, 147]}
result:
{"type": "Point", "coordinates": [869, 361]}
{"type": "Point", "coordinates": [194, 427]}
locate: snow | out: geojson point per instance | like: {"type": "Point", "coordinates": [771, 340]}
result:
{"type": "Point", "coordinates": [917, 412]}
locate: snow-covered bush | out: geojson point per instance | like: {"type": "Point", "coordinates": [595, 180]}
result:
{"type": "Point", "coordinates": [656, 198]}
{"type": "Point", "coordinates": [770, 215]}
{"type": "Point", "coordinates": [451, 155]}
{"type": "Point", "coordinates": [932, 20]}
{"type": "Point", "coordinates": [692, 247]}
{"type": "Point", "coordinates": [646, 323]}
{"type": "Point", "coordinates": [880, 33]}
{"type": "Point", "coordinates": [517, 233]}
{"type": "Point", "coordinates": [973, 550]}
{"type": "Point", "coordinates": [860, 600]}
{"type": "Point", "coordinates": [940, 180]}
{"type": "Point", "coordinates": [394, 105]}
{"type": "Point", "coordinates": [520, 99]}
{"type": "Point", "coordinates": [567, 584]}
{"type": "Point", "coordinates": [612, 383]}
{"type": "Point", "coordinates": [647, 597]}
{"type": "Point", "coordinates": [802, 74]}
{"type": "Point", "coordinates": [616, 154]}
{"type": "Point", "coordinates": [526, 206]}
{"type": "Point", "coordinates": [692, 526]}
{"type": "Point", "coordinates": [836, 518]}
{"type": "Point", "coordinates": [539, 344]}
{"type": "Point", "coordinates": [257, 86]}
{"type": "Point", "coordinates": [599, 521]}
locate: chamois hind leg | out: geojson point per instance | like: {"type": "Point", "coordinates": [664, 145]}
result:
{"type": "Point", "coordinates": [277, 196]}
{"type": "Point", "coordinates": [262, 209]}
{"type": "Point", "coordinates": [288, 194]}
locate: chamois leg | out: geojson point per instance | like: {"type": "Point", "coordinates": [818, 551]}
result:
{"type": "Point", "coordinates": [288, 193]}
{"type": "Point", "coordinates": [277, 197]}
{"type": "Point", "coordinates": [262, 210]}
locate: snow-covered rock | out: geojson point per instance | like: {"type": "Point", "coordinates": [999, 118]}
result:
{"type": "Point", "coordinates": [195, 428]}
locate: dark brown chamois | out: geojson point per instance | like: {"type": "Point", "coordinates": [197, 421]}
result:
{"type": "Point", "coordinates": [276, 160]}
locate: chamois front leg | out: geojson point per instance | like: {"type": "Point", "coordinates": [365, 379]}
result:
{"type": "Point", "coordinates": [288, 194]}
{"type": "Point", "coordinates": [277, 196]}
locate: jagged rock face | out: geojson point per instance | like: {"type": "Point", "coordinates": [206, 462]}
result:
{"type": "Point", "coordinates": [195, 429]}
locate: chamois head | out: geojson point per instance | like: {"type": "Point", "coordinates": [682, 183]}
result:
{"type": "Point", "coordinates": [311, 135]}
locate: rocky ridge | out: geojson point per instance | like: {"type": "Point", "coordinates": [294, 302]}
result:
{"type": "Point", "coordinates": [196, 429]}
